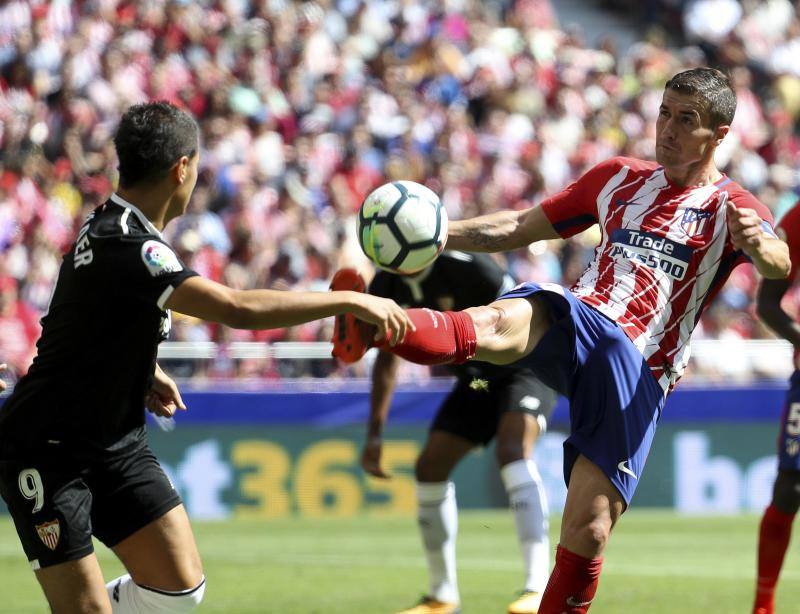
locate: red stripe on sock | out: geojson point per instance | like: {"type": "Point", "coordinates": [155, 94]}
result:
{"type": "Point", "coordinates": [773, 539]}
{"type": "Point", "coordinates": [572, 585]}
{"type": "Point", "coordinates": [441, 337]}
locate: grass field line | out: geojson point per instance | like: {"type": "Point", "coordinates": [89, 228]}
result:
{"type": "Point", "coordinates": [486, 564]}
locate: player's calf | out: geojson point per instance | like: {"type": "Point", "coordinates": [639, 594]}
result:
{"type": "Point", "coordinates": [127, 597]}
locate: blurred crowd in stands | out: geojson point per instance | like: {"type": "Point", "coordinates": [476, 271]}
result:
{"type": "Point", "coordinates": [304, 107]}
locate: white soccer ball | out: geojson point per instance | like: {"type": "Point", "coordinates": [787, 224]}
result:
{"type": "Point", "coordinates": [402, 227]}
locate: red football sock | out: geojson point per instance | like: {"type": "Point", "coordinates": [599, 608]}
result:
{"type": "Point", "coordinates": [441, 337]}
{"type": "Point", "coordinates": [572, 585]}
{"type": "Point", "coordinates": [773, 539]}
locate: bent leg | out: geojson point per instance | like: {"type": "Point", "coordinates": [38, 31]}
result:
{"type": "Point", "coordinates": [500, 333]}
{"type": "Point", "coordinates": [75, 587]}
{"type": "Point", "coordinates": [437, 513]}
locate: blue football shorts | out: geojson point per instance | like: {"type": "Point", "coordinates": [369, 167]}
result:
{"type": "Point", "coordinates": [615, 401]}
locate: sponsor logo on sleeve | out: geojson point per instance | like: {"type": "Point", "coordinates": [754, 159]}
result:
{"type": "Point", "coordinates": [159, 259]}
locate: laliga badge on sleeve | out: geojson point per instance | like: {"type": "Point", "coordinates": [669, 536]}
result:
{"type": "Point", "coordinates": [159, 258]}
{"type": "Point", "coordinates": [49, 533]}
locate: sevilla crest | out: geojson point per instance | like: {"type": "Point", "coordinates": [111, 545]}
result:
{"type": "Point", "coordinates": [49, 533]}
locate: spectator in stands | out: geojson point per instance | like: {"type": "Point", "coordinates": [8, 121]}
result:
{"type": "Point", "coordinates": [306, 107]}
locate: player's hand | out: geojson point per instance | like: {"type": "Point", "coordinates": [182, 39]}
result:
{"type": "Point", "coordinates": [745, 228]}
{"type": "Point", "coordinates": [384, 313]}
{"type": "Point", "coordinates": [3, 384]}
{"type": "Point", "coordinates": [371, 458]}
{"type": "Point", "coordinates": [163, 398]}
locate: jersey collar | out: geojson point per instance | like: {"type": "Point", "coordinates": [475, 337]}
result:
{"type": "Point", "coordinates": [142, 218]}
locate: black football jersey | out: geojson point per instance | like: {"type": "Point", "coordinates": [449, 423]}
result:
{"type": "Point", "coordinates": [95, 359]}
{"type": "Point", "coordinates": [455, 281]}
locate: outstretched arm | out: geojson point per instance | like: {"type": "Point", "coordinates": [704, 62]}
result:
{"type": "Point", "coordinates": [257, 309]}
{"type": "Point", "coordinates": [500, 231]}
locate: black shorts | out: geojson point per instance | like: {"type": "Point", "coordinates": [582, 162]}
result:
{"type": "Point", "coordinates": [473, 412]}
{"type": "Point", "coordinates": [58, 504]}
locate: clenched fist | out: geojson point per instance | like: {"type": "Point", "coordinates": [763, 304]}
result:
{"type": "Point", "coordinates": [745, 228]}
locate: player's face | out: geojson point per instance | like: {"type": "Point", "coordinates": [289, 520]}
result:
{"type": "Point", "coordinates": [684, 135]}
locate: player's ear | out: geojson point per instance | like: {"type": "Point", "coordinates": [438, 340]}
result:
{"type": "Point", "coordinates": [181, 169]}
{"type": "Point", "coordinates": [720, 132]}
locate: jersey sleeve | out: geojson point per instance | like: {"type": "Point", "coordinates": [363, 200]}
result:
{"type": "Point", "coordinates": [745, 200]}
{"type": "Point", "coordinates": [142, 267]}
{"type": "Point", "coordinates": [789, 230]}
{"type": "Point", "coordinates": [574, 209]}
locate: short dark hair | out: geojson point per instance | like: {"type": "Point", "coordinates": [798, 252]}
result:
{"type": "Point", "coordinates": [150, 139]}
{"type": "Point", "coordinates": [713, 87]}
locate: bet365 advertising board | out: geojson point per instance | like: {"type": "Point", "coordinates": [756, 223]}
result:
{"type": "Point", "coordinates": [275, 453]}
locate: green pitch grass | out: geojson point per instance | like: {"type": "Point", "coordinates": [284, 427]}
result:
{"type": "Point", "coordinates": [656, 563]}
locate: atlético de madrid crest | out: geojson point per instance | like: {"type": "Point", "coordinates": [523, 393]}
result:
{"type": "Point", "coordinates": [49, 533]}
{"type": "Point", "coordinates": [695, 221]}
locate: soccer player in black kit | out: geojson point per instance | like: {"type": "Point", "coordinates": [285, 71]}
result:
{"type": "Point", "coordinates": [488, 401]}
{"type": "Point", "coordinates": [74, 458]}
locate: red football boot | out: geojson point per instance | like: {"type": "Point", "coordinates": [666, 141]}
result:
{"type": "Point", "coordinates": [351, 337]}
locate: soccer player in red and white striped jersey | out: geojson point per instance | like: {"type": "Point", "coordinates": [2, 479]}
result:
{"type": "Point", "coordinates": [663, 253]}
{"type": "Point", "coordinates": [617, 341]}
{"type": "Point", "coordinates": [776, 524]}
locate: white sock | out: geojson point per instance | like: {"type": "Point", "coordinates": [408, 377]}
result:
{"type": "Point", "coordinates": [127, 597]}
{"type": "Point", "coordinates": [528, 501]}
{"type": "Point", "coordinates": [438, 522]}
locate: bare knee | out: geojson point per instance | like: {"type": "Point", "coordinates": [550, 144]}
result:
{"type": "Point", "coordinates": [427, 469]}
{"type": "Point", "coordinates": [508, 452]}
{"type": "Point", "coordinates": [587, 538]}
{"type": "Point", "coordinates": [501, 332]}
{"type": "Point", "coordinates": [191, 574]}
{"type": "Point", "coordinates": [487, 320]}
{"type": "Point", "coordinates": [509, 329]}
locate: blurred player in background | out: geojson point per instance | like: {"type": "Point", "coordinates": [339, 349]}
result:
{"type": "Point", "coordinates": [487, 401]}
{"type": "Point", "coordinates": [618, 341]}
{"type": "Point", "coordinates": [776, 525]}
{"type": "Point", "coordinates": [74, 458]}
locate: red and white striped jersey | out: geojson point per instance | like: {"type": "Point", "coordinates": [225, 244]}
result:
{"type": "Point", "coordinates": [664, 252]}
